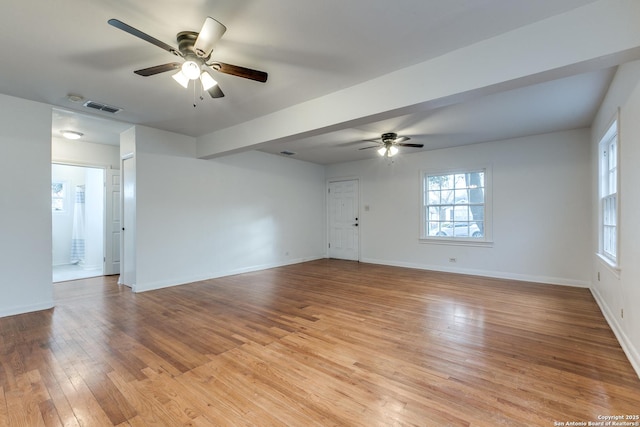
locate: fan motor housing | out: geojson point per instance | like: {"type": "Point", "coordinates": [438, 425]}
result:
{"type": "Point", "coordinates": [186, 40]}
{"type": "Point", "coordinates": [389, 137]}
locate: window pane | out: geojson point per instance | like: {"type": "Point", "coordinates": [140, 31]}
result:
{"type": "Point", "coordinates": [613, 181]}
{"type": "Point", "coordinates": [461, 196]}
{"type": "Point", "coordinates": [57, 205]}
{"type": "Point", "coordinates": [434, 197]}
{"type": "Point", "coordinates": [437, 182]}
{"type": "Point", "coordinates": [613, 157]}
{"type": "Point", "coordinates": [446, 197]}
{"type": "Point", "coordinates": [433, 227]}
{"type": "Point", "coordinates": [437, 214]}
{"type": "Point", "coordinates": [477, 214]}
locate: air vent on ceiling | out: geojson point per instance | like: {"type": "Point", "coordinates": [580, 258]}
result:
{"type": "Point", "coordinates": [287, 153]}
{"type": "Point", "coordinates": [102, 107]}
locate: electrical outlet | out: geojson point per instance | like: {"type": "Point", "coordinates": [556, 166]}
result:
{"type": "Point", "coordinates": [598, 276]}
{"type": "Point", "coordinates": [453, 260]}
{"type": "Point", "coordinates": [622, 313]}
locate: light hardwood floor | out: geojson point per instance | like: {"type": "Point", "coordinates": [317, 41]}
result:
{"type": "Point", "coordinates": [324, 343]}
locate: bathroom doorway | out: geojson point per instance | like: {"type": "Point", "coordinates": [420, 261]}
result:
{"type": "Point", "coordinates": [77, 209]}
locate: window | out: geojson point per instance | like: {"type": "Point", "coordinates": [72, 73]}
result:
{"type": "Point", "coordinates": [455, 205]}
{"type": "Point", "coordinates": [609, 193]}
{"type": "Point", "coordinates": [58, 196]}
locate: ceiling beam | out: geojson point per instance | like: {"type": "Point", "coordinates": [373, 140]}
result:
{"type": "Point", "coordinates": [599, 35]}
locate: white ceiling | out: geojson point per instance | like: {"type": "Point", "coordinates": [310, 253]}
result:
{"type": "Point", "coordinates": [309, 49]}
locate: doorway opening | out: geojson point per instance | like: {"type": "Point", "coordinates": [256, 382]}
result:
{"type": "Point", "coordinates": [77, 209]}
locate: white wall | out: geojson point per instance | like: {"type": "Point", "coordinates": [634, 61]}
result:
{"type": "Point", "coordinates": [85, 153]}
{"type": "Point", "coordinates": [620, 289]}
{"type": "Point", "coordinates": [198, 219]}
{"type": "Point", "coordinates": [25, 185]}
{"type": "Point", "coordinates": [541, 209]}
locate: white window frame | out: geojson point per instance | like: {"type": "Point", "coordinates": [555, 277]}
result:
{"type": "Point", "coordinates": [486, 239]}
{"type": "Point", "coordinates": [609, 195]}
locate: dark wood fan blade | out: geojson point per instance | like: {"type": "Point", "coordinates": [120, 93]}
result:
{"type": "Point", "coordinates": [146, 72]}
{"type": "Point", "coordinates": [401, 139]}
{"type": "Point", "coordinates": [216, 92]}
{"type": "Point", "coordinates": [366, 148]}
{"type": "Point", "coordinates": [234, 70]}
{"type": "Point", "coordinates": [146, 37]}
{"type": "Point", "coordinates": [410, 145]}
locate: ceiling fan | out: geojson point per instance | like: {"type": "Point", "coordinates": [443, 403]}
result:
{"type": "Point", "coordinates": [389, 142]}
{"type": "Point", "coordinates": [195, 49]}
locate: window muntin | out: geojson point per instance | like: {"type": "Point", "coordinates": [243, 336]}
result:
{"type": "Point", "coordinates": [454, 205]}
{"type": "Point", "coordinates": [609, 193]}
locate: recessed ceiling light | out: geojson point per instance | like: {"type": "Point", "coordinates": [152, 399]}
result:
{"type": "Point", "coordinates": [71, 134]}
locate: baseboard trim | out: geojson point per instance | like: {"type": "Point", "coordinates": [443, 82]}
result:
{"type": "Point", "coordinates": [627, 346]}
{"type": "Point", "coordinates": [485, 273]}
{"type": "Point", "coordinates": [144, 287]}
{"type": "Point", "coordinates": [12, 311]}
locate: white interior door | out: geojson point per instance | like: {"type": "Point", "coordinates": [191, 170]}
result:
{"type": "Point", "coordinates": [113, 223]}
{"type": "Point", "coordinates": [128, 246]}
{"type": "Point", "coordinates": [344, 236]}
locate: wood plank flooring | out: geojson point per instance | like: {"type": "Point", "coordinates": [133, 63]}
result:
{"type": "Point", "coordinates": [324, 343]}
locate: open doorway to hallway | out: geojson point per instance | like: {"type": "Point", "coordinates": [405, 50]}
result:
{"type": "Point", "coordinates": [77, 209]}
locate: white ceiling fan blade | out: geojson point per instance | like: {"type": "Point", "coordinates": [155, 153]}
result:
{"type": "Point", "coordinates": [211, 32]}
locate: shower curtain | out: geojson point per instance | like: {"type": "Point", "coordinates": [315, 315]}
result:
{"type": "Point", "coordinates": [77, 233]}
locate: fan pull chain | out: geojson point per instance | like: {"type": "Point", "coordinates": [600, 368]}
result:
{"type": "Point", "coordinates": [194, 94]}
{"type": "Point", "coordinates": [201, 96]}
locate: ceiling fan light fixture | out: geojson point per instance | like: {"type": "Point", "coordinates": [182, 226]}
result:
{"type": "Point", "coordinates": [191, 70]}
{"type": "Point", "coordinates": [181, 79]}
{"type": "Point", "coordinates": [388, 151]}
{"type": "Point", "coordinates": [207, 81]}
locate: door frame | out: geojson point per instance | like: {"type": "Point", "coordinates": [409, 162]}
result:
{"type": "Point", "coordinates": [328, 210]}
{"type": "Point", "coordinates": [128, 237]}
{"type": "Point", "coordinates": [109, 230]}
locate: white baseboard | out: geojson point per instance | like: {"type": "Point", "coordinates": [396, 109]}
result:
{"type": "Point", "coordinates": [12, 311]}
{"type": "Point", "coordinates": [144, 287]}
{"type": "Point", "coordinates": [485, 273]}
{"type": "Point", "coordinates": [627, 346]}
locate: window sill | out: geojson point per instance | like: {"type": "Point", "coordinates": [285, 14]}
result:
{"type": "Point", "coordinates": [610, 265]}
{"type": "Point", "coordinates": [456, 242]}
